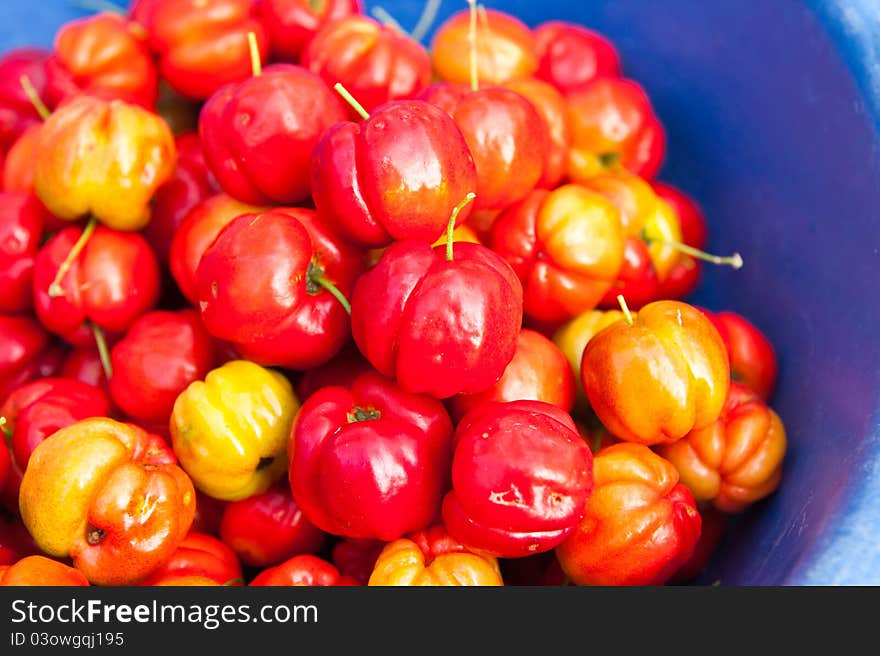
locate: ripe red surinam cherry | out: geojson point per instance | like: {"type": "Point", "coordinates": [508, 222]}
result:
{"type": "Point", "coordinates": [441, 320]}
{"type": "Point", "coordinates": [508, 138]}
{"type": "Point", "coordinates": [376, 63]}
{"type": "Point", "coordinates": [275, 284]}
{"type": "Point", "coordinates": [258, 135]}
{"type": "Point", "coordinates": [396, 175]}
{"type": "Point", "coordinates": [391, 447]}
{"type": "Point", "coordinates": [202, 44]}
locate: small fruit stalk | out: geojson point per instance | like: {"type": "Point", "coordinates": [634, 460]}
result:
{"type": "Point", "coordinates": [356, 435]}
{"type": "Point", "coordinates": [396, 175]}
{"type": "Point", "coordinates": [405, 325]}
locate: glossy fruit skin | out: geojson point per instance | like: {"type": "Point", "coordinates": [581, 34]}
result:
{"type": "Point", "coordinates": [102, 158]}
{"type": "Point", "coordinates": [571, 55]}
{"type": "Point", "coordinates": [356, 557]}
{"type": "Point", "coordinates": [39, 408]}
{"type": "Point", "coordinates": [505, 48]}
{"type": "Point", "coordinates": [684, 277]}
{"type": "Point", "coordinates": [291, 24]}
{"type": "Point", "coordinates": [105, 56]}
{"type": "Point", "coordinates": [209, 512]}
{"type": "Point", "coordinates": [735, 461]}
{"type": "Point", "coordinates": [566, 247]}
{"type": "Point", "coordinates": [83, 363]}
{"type": "Point", "coordinates": [640, 524]}
{"type": "Point", "coordinates": [539, 371]}
{"type": "Point", "coordinates": [5, 465]}
{"type": "Point", "coordinates": [648, 221]}
{"type": "Point", "coordinates": [17, 113]}
{"type": "Point", "coordinates": [230, 430]}
{"type": "Point", "coordinates": [196, 232]}
{"type": "Point", "coordinates": [572, 337]}
{"type": "Point", "coordinates": [657, 379]}
{"type": "Point", "coordinates": [113, 281]}
{"type": "Point", "coordinates": [203, 44]}
{"type": "Point", "coordinates": [258, 135]}
{"type": "Point", "coordinates": [339, 371]}
{"type": "Point", "coordinates": [15, 541]}
{"type": "Point", "coordinates": [200, 554]}
{"type": "Point", "coordinates": [258, 287]}
{"type": "Point", "coordinates": [521, 476]}
{"type": "Point", "coordinates": [752, 355]}
{"type": "Point", "coordinates": [358, 435]}
{"type": "Point", "coordinates": [26, 352]}
{"type": "Point", "coordinates": [430, 557]}
{"type": "Point", "coordinates": [714, 526]}
{"type": "Point", "coordinates": [613, 124]}
{"type": "Point", "coordinates": [21, 228]}
{"type": "Point", "coordinates": [375, 63]}
{"type": "Point", "coordinates": [159, 356]}
{"type": "Point", "coordinates": [18, 174]}
{"type": "Point", "coordinates": [302, 570]}
{"type": "Point", "coordinates": [189, 185]}
{"type": "Point", "coordinates": [507, 137]}
{"type": "Point", "coordinates": [268, 528]}
{"type": "Point", "coordinates": [38, 570]}
{"type": "Point", "coordinates": [553, 109]}
{"type": "Point", "coordinates": [110, 496]}
{"type": "Point", "coordinates": [396, 175]}
{"type": "Point", "coordinates": [438, 327]}
{"type": "Point", "coordinates": [637, 281]}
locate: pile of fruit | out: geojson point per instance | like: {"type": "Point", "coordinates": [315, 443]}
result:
{"type": "Point", "coordinates": [290, 298]}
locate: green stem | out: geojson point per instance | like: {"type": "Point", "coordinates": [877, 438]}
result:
{"type": "Point", "coordinates": [429, 15]}
{"type": "Point", "coordinates": [381, 14]}
{"type": "Point", "coordinates": [625, 308]}
{"type": "Point", "coordinates": [734, 260]}
{"type": "Point", "coordinates": [254, 49]}
{"type": "Point", "coordinates": [4, 428]}
{"type": "Point", "coordinates": [100, 6]}
{"type": "Point", "coordinates": [450, 227]}
{"type": "Point", "coordinates": [363, 414]}
{"type": "Point", "coordinates": [315, 281]}
{"type": "Point", "coordinates": [350, 99]}
{"type": "Point", "coordinates": [55, 288]}
{"type": "Point", "coordinates": [34, 97]}
{"type": "Point", "coordinates": [103, 351]}
{"type": "Point", "coordinates": [472, 41]}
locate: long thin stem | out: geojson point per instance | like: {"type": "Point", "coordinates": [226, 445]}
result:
{"type": "Point", "coordinates": [100, 6]}
{"type": "Point", "coordinates": [333, 289]}
{"type": "Point", "coordinates": [625, 308]}
{"type": "Point", "coordinates": [734, 260]}
{"type": "Point", "coordinates": [450, 227]}
{"type": "Point", "coordinates": [103, 351]}
{"type": "Point", "coordinates": [487, 32]}
{"type": "Point", "coordinates": [34, 97]}
{"type": "Point", "coordinates": [472, 41]}
{"type": "Point", "coordinates": [426, 20]}
{"type": "Point", "coordinates": [55, 289]}
{"type": "Point", "coordinates": [350, 99]}
{"type": "Point", "coordinates": [381, 14]}
{"type": "Point", "coordinates": [254, 50]}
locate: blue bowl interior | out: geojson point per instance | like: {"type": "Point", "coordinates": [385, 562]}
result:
{"type": "Point", "coordinates": [772, 115]}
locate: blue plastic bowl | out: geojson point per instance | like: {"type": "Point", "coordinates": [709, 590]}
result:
{"type": "Point", "coordinates": [772, 110]}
